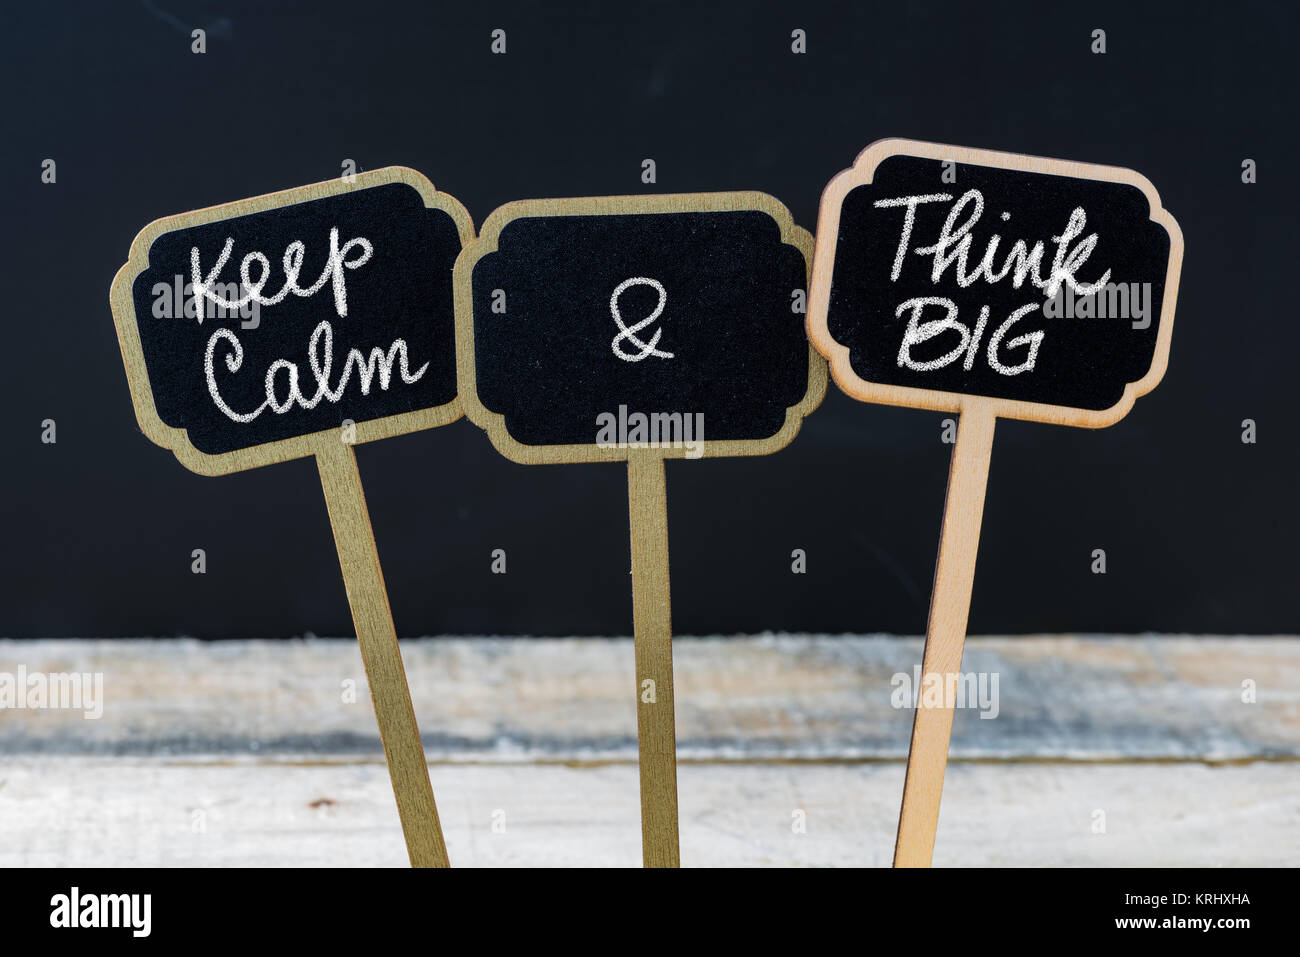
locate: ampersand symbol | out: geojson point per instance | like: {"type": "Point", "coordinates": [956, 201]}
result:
{"type": "Point", "coordinates": [630, 332]}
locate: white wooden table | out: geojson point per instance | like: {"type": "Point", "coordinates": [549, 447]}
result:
{"type": "Point", "coordinates": [266, 753]}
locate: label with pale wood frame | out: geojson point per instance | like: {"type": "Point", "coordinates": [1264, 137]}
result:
{"type": "Point", "coordinates": [979, 409]}
{"type": "Point", "coordinates": [1053, 174]}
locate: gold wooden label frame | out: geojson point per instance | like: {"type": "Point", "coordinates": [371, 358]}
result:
{"type": "Point", "coordinates": [494, 424]}
{"type": "Point", "coordinates": [281, 450]}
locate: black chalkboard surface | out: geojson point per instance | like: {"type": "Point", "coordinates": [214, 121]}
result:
{"type": "Point", "coordinates": [581, 320]}
{"type": "Point", "coordinates": [259, 323]}
{"type": "Point", "coordinates": [957, 272]}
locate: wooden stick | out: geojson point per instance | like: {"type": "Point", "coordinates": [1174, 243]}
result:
{"type": "Point", "coordinates": [945, 634]}
{"type": "Point", "coordinates": [652, 616]}
{"type": "Point", "coordinates": [373, 620]}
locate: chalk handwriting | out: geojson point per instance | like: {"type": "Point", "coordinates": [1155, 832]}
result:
{"type": "Point", "coordinates": [335, 265]}
{"type": "Point", "coordinates": [320, 357]}
{"type": "Point", "coordinates": [630, 332]}
{"type": "Point", "coordinates": [1021, 262]}
{"type": "Point", "coordinates": [952, 248]}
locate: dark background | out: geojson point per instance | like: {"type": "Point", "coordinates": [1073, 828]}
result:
{"type": "Point", "coordinates": [1199, 529]}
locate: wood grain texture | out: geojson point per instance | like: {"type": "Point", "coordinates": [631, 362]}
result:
{"type": "Point", "coordinates": [377, 638]}
{"type": "Point", "coordinates": [242, 812]}
{"type": "Point", "coordinates": [799, 699]}
{"type": "Point", "coordinates": [954, 576]}
{"type": "Point", "coordinates": [245, 753]}
{"type": "Point", "coordinates": [652, 617]}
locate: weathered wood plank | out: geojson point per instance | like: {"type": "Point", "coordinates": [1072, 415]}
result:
{"type": "Point", "coordinates": [93, 811]}
{"type": "Point", "coordinates": [769, 697]}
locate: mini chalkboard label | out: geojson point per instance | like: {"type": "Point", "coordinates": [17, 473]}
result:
{"type": "Point", "coordinates": [988, 284]}
{"type": "Point", "coordinates": [296, 324]}
{"type": "Point", "coordinates": [944, 273]}
{"type": "Point", "coordinates": [253, 331]}
{"type": "Point", "coordinates": [639, 328]}
{"type": "Point", "coordinates": [591, 328]}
